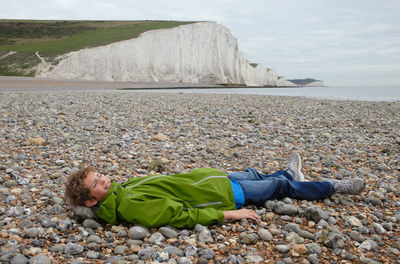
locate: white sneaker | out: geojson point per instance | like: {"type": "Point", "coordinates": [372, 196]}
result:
{"type": "Point", "coordinates": [352, 186]}
{"type": "Point", "coordinates": [294, 167]}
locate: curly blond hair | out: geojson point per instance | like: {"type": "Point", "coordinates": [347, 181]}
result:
{"type": "Point", "coordinates": [76, 191]}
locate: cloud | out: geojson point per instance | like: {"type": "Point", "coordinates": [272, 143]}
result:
{"type": "Point", "coordinates": [310, 38]}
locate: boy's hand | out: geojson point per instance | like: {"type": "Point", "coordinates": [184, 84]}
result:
{"type": "Point", "coordinates": [240, 214]}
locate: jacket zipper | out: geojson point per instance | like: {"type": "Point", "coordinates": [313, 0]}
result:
{"type": "Point", "coordinates": [206, 204]}
{"type": "Point", "coordinates": [155, 176]}
{"type": "Point", "coordinates": [209, 177]}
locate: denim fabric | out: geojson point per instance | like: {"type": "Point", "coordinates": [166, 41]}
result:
{"type": "Point", "coordinates": [258, 187]}
{"type": "Point", "coordinates": [238, 194]}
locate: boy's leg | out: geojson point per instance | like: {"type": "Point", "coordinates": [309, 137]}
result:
{"type": "Point", "coordinates": [293, 168]}
{"type": "Point", "coordinates": [282, 186]}
{"type": "Point", "coordinates": [254, 175]}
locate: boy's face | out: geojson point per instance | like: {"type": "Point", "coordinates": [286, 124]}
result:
{"type": "Point", "coordinates": [98, 184]}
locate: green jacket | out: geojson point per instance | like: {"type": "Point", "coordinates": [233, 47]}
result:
{"type": "Point", "coordinates": [181, 200]}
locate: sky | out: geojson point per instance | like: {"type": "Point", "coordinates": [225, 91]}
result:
{"type": "Point", "coordinates": [342, 42]}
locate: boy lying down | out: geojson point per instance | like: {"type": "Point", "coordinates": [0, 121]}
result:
{"type": "Point", "coordinates": [203, 196]}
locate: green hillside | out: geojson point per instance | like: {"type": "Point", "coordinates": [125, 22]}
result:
{"type": "Point", "coordinates": [52, 38]}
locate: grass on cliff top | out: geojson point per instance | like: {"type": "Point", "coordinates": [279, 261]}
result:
{"type": "Point", "coordinates": [52, 38]}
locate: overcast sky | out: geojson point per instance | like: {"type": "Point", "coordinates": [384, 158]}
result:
{"type": "Point", "coordinates": [343, 42]}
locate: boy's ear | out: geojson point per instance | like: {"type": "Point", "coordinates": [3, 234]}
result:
{"type": "Point", "coordinates": [90, 202]}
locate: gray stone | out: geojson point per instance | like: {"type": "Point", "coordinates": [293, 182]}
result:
{"type": "Point", "coordinates": [347, 255]}
{"type": "Point", "coordinates": [56, 210]}
{"type": "Point", "coordinates": [114, 260]}
{"type": "Point", "coordinates": [7, 257]}
{"type": "Point", "coordinates": [137, 232]}
{"type": "Point", "coordinates": [162, 256]}
{"type": "Point", "coordinates": [264, 234]}
{"type": "Point", "coordinates": [292, 227]}
{"type": "Point", "coordinates": [198, 228]}
{"type": "Point", "coordinates": [20, 259]}
{"type": "Point", "coordinates": [322, 224]}
{"type": "Point", "coordinates": [204, 261]}
{"type": "Point", "coordinates": [25, 224]}
{"type": "Point", "coordinates": [57, 248]}
{"type": "Point", "coordinates": [388, 226]}
{"type": "Point", "coordinates": [57, 200]}
{"type": "Point", "coordinates": [373, 200]}
{"type": "Point", "coordinates": [205, 236]}
{"type": "Point", "coordinates": [282, 248]}
{"type": "Point", "coordinates": [252, 258]}
{"type": "Point", "coordinates": [379, 229]}
{"type": "Point", "coordinates": [294, 238]}
{"type": "Point", "coordinates": [92, 255]}
{"type": "Point", "coordinates": [120, 250]}
{"type": "Point", "coordinates": [94, 239]}
{"type": "Point", "coordinates": [10, 183]}
{"type": "Point", "coordinates": [285, 209]}
{"type": "Point", "coordinates": [156, 238]}
{"type": "Point", "coordinates": [184, 260]}
{"type": "Point", "coordinates": [83, 212]}
{"type": "Point", "coordinates": [40, 259]}
{"type": "Point", "coordinates": [352, 221]}
{"type": "Point", "coordinates": [369, 245]}
{"type": "Point", "coordinates": [168, 232]}
{"type": "Point", "coordinates": [32, 232]}
{"type": "Point", "coordinates": [122, 233]}
{"type": "Point", "coordinates": [174, 251]}
{"type": "Point", "coordinates": [356, 236]}
{"type": "Point", "coordinates": [313, 258]}
{"type": "Point", "coordinates": [147, 253]}
{"type": "Point", "coordinates": [269, 204]}
{"type": "Point", "coordinates": [396, 245]}
{"type": "Point", "coordinates": [334, 240]}
{"type": "Point", "coordinates": [316, 213]}
{"type": "Point", "coordinates": [314, 248]}
{"type": "Point", "coordinates": [73, 249]}
{"type": "Point", "coordinates": [190, 251]}
{"type": "Point", "coordinates": [207, 253]}
{"type": "Point", "coordinates": [9, 248]}
{"type": "Point", "coordinates": [248, 238]}
{"type": "Point", "coordinates": [305, 234]}
{"type": "Point", "coordinates": [90, 223]}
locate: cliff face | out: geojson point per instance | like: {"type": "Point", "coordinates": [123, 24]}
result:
{"type": "Point", "coordinates": [204, 52]}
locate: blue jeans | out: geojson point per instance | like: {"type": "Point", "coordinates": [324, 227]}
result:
{"type": "Point", "coordinates": [258, 187]}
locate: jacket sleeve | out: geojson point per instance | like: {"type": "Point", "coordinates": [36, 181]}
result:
{"type": "Point", "coordinates": [162, 211]}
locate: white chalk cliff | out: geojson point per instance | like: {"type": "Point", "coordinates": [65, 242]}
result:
{"type": "Point", "coordinates": [203, 52]}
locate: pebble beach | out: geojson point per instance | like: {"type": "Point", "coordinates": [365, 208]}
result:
{"type": "Point", "coordinates": [47, 135]}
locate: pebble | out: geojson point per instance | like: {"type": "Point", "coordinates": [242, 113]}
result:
{"type": "Point", "coordinates": [369, 245]}
{"type": "Point", "coordinates": [40, 259]}
{"type": "Point", "coordinates": [264, 234]}
{"type": "Point", "coordinates": [73, 249]}
{"type": "Point", "coordinates": [137, 232]}
{"type": "Point", "coordinates": [90, 223]}
{"type": "Point", "coordinates": [120, 250]}
{"type": "Point", "coordinates": [20, 259]}
{"type": "Point", "coordinates": [294, 238]}
{"type": "Point", "coordinates": [168, 232]}
{"type": "Point", "coordinates": [129, 134]}
{"type": "Point", "coordinates": [285, 209]}
{"type": "Point", "coordinates": [283, 248]}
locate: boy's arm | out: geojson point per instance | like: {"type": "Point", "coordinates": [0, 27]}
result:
{"type": "Point", "coordinates": [240, 214]}
{"type": "Point", "coordinates": [161, 212]}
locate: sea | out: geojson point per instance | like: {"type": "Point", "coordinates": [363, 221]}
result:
{"type": "Point", "coordinates": [358, 93]}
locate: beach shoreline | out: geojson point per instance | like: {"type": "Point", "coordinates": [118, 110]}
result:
{"type": "Point", "coordinates": [10, 83]}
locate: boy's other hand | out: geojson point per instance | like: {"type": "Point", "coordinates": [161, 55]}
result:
{"type": "Point", "coordinates": [240, 214]}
